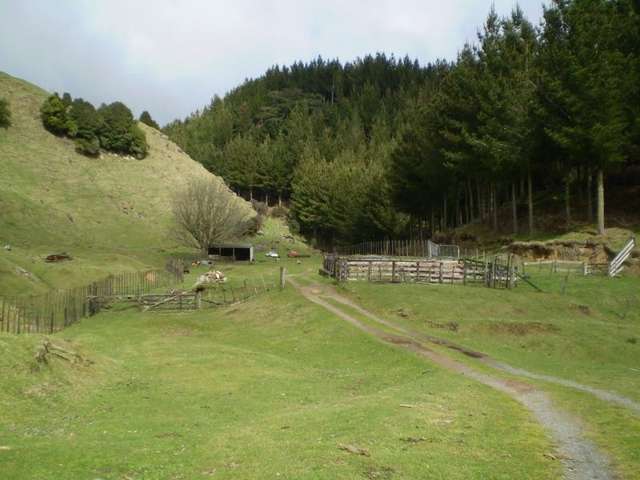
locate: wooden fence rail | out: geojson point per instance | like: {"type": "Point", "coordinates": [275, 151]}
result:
{"type": "Point", "coordinates": [495, 273]}
{"type": "Point", "coordinates": [57, 310]}
{"type": "Point", "coordinates": [176, 301]}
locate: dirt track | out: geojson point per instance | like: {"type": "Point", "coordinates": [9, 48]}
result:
{"type": "Point", "coordinates": [581, 458]}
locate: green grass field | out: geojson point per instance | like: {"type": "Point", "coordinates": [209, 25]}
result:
{"type": "Point", "coordinates": [265, 389]}
{"type": "Point", "coordinates": [589, 334]}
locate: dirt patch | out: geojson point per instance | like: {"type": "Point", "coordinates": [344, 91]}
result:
{"type": "Point", "coordinates": [355, 450]}
{"type": "Point", "coordinates": [401, 341]}
{"type": "Point", "coordinates": [584, 309]}
{"type": "Point", "coordinates": [590, 252]}
{"type": "Point", "coordinates": [379, 473]}
{"type": "Point", "coordinates": [520, 329]}
{"type": "Point", "coordinates": [451, 326]}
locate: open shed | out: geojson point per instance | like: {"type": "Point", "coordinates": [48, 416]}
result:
{"type": "Point", "coordinates": [232, 251]}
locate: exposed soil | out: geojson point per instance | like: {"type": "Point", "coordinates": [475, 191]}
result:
{"type": "Point", "coordinates": [581, 458]}
{"type": "Point", "coordinates": [591, 252]}
{"type": "Point", "coordinates": [520, 329]}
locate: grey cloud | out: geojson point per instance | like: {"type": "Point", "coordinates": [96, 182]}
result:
{"type": "Point", "coordinates": [170, 57]}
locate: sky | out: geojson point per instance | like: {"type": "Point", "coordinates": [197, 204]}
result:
{"type": "Point", "coordinates": [171, 57]}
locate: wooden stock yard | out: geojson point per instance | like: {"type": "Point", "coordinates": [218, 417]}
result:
{"type": "Point", "coordinates": [494, 273]}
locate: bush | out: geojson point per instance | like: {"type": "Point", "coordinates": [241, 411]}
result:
{"type": "Point", "coordinates": [260, 207]}
{"type": "Point", "coordinates": [145, 117]}
{"type": "Point", "coordinates": [89, 147]}
{"type": "Point", "coordinates": [55, 117]}
{"type": "Point", "coordinates": [139, 146]}
{"type": "Point", "coordinates": [279, 212]}
{"type": "Point", "coordinates": [5, 114]}
{"type": "Point", "coordinates": [206, 211]}
{"type": "Point", "coordinates": [120, 133]}
{"type": "Point", "coordinates": [88, 121]}
{"type": "Point", "coordinates": [255, 224]}
{"type": "Point", "coordinates": [294, 225]}
{"type": "Point", "coordinates": [112, 127]}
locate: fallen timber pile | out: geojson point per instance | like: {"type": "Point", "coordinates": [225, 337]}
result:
{"type": "Point", "coordinates": [495, 273]}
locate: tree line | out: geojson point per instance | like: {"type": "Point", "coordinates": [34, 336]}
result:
{"type": "Point", "coordinates": [110, 127]}
{"type": "Point", "coordinates": [385, 147]}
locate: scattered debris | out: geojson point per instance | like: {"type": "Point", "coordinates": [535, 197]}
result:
{"type": "Point", "coordinates": [381, 473]}
{"type": "Point", "coordinates": [584, 309]}
{"type": "Point", "coordinates": [355, 450]}
{"type": "Point", "coordinates": [211, 277]}
{"type": "Point", "coordinates": [57, 257]}
{"type": "Point", "coordinates": [451, 326]}
{"type": "Point", "coordinates": [406, 405]}
{"type": "Point", "coordinates": [24, 273]}
{"type": "Point", "coordinates": [521, 329]}
{"type": "Point", "coordinates": [413, 439]}
{"type": "Point", "coordinates": [7, 247]}
{"type": "Point", "coordinates": [48, 348]}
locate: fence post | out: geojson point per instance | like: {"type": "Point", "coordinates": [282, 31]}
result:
{"type": "Point", "coordinates": [393, 271]}
{"type": "Point", "coordinates": [283, 277]}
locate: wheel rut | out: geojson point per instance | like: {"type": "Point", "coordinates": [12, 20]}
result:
{"type": "Point", "coordinates": [581, 459]}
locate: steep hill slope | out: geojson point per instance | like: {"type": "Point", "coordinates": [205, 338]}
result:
{"type": "Point", "coordinates": [111, 213]}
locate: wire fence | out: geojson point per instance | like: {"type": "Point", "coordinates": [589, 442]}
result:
{"type": "Point", "coordinates": [57, 310]}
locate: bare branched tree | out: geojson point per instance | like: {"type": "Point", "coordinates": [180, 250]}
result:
{"type": "Point", "coordinates": [206, 211]}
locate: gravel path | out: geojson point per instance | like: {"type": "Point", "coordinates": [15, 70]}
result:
{"type": "Point", "coordinates": [604, 395]}
{"type": "Point", "coordinates": [581, 458]}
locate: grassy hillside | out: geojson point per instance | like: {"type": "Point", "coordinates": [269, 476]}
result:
{"type": "Point", "coordinates": [111, 213]}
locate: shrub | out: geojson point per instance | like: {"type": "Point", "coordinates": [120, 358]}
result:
{"type": "Point", "coordinates": [88, 146]}
{"type": "Point", "coordinates": [119, 133]}
{"type": "Point", "coordinates": [260, 207]}
{"type": "Point", "coordinates": [294, 225]}
{"type": "Point", "coordinates": [255, 224]}
{"type": "Point", "coordinates": [115, 132]}
{"type": "Point", "coordinates": [279, 211]}
{"type": "Point", "coordinates": [206, 211]}
{"type": "Point", "coordinates": [5, 114]}
{"type": "Point", "coordinates": [145, 117]}
{"type": "Point", "coordinates": [139, 146]}
{"type": "Point", "coordinates": [88, 121]}
{"type": "Point", "coordinates": [111, 127]}
{"type": "Point", "coordinates": [55, 117]}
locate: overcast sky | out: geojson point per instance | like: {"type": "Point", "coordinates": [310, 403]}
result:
{"type": "Point", "coordinates": [170, 57]}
